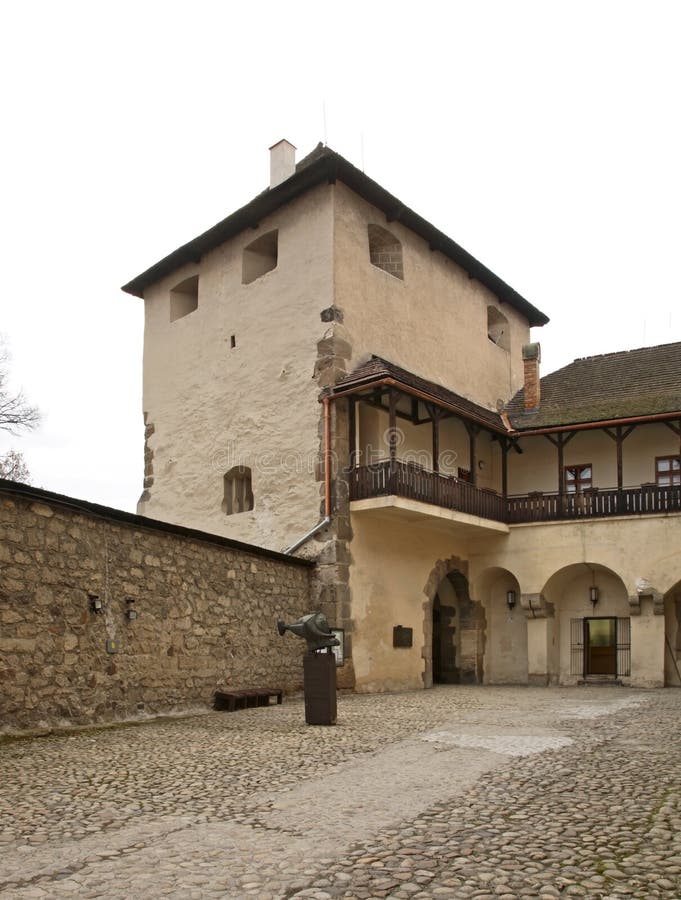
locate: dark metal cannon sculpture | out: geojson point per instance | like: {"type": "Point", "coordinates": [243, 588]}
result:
{"type": "Point", "coordinates": [314, 628]}
{"type": "Point", "coordinates": [319, 666]}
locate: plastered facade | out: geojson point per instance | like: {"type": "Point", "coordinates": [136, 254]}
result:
{"type": "Point", "coordinates": [299, 328]}
{"type": "Point", "coordinates": [213, 406]}
{"type": "Point", "coordinates": [434, 322]}
{"type": "Point", "coordinates": [554, 564]}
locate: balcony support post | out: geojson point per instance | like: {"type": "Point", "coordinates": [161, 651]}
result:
{"type": "Point", "coordinates": [352, 431]}
{"type": "Point", "coordinates": [504, 444]}
{"type": "Point", "coordinates": [472, 430]}
{"type": "Point", "coordinates": [392, 436]}
{"type": "Point", "coordinates": [619, 436]}
{"type": "Point", "coordinates": [435, 416]}
{"type": "Point", "coordinates": [560, 441]}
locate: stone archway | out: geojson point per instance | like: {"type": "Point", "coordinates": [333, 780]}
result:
{"type": "Point", "coordinates": [465, 623]}
{"type": "Point", "coordinates": [672, 638]}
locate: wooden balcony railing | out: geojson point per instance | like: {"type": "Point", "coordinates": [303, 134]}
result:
{"type": "Point", "coordinates": [409, 480]}
{"type": "Point", "coordinates": [415, 483]}
{"type": "Point", "coordinates": [596, 503]}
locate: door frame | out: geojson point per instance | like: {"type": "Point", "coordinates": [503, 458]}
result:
{"type": "Point", "coordinates": [586, 620]}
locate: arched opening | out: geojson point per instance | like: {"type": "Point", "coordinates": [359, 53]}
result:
{"type": "Point", "coordinates": [672, 636]}
{"type": "Point", "coordinates": [506, 645]}
{"type": "Point", "coordinates": [385, 251]}
{"type": "Point", "coordinates": [445, 634]}
{"type": "Point", "coordinates": [454, 628]}
{"type": "Point", "coordinates": [238, 491]}
{"type": "Point", "coordinates": [591, 639]}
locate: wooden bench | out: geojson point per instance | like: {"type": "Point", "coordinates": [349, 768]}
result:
{"type": "Point", "coordinates": [233, 700]}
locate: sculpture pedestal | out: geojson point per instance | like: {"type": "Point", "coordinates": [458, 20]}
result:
{"type": "Point", "coordinates": [319, 682]}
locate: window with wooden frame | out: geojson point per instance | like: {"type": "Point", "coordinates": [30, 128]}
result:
{"type": "Point", "coordinates": [667, 470]}
{"type": "Point", "coordinates": [578, 478]}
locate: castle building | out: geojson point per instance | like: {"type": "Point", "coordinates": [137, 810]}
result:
{"type": "Point", "coordinates": [328, 373]}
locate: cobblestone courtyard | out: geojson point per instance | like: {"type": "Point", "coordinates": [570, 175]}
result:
{"type": "Point", "coordinates": [454, 792]}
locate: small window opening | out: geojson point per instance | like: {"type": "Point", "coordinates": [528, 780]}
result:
{"type": "Point", "coordinates": [497, 328]}
{"type": "Point", "coordinates": [259, 257]}
{"type": "Point", "coordinates": [238, 491]}
{"type": "Point", "coordinates": [385, 251]}
{"type": "Point", "coordinates": [184, 298]}
{"type": "Point", "coordinates": [232, 341]}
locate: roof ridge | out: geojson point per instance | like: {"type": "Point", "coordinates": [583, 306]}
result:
{"type": "Point", "coordinates": [620, 353]}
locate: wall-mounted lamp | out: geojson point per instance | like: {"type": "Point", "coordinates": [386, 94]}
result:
{"type": "Point", "coordinates": [593, 594]}
{"type": "Point", "coordinates": [131, 612]}
{"type": "Point", "coordinates": [96, 605]}
{"type": "Point", "coordinates": [510, 599]}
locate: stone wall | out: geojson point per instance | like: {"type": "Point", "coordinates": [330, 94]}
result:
{"type": "Point", "coordinates": [205, 606]}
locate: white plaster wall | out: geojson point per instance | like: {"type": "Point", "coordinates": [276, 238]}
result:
{"type": "Point", "coordinates": [433, 323]}
{"type": "Point", "coordinates": [647, 647]}
{"type": "Point", "coordinates": [392, 561]}
{"type": "Point", "coordinates": [633, 547]}
{"type": "Point", "coordinates": [506, 639]}
{"type": "Point", "coordinates": [257, 405]}
{"type": "Point", "coordinates": [536, 469]}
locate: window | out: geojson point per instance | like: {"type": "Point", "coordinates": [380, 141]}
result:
{"type": "Point", "coordinates": [385, 251]}
{"type": "Point", "coordinates": [260, 256]}
{"type": "Point", "coordinates": [238, 491]}
{"type": "Point", "coordinates": [497, 328]}
{"type": "Point", "coordinates": [667, 470]}
{"type": "Point", "coordinates": [577, 478]}
{"type": "Point", "coordinates": [184, 298]}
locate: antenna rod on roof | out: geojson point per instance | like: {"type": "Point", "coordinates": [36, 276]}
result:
{"type": "Point", "coordinates": [324, 117]}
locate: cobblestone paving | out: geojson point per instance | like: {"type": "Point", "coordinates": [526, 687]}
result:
{"type": "Point", "coordinates": [450, 793]}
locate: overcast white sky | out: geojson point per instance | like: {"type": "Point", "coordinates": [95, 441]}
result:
{"type": "Point", "coordinates": [542, 136]}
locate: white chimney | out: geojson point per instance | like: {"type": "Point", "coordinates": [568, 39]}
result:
{"type": "Point", "coordinates": [282, 162]}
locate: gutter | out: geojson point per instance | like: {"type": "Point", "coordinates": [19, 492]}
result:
{"type": "Point", "coordinates": [584, 426]}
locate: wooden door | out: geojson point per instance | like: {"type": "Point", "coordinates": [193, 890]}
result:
{"type": "Point", "coordinates": [600, 642]}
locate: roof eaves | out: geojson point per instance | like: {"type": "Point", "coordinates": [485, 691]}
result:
{"type": "Point", "coordinates": [329, 166]}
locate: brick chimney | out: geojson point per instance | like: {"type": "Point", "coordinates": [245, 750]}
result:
{"type": "Point", "coordinates": [282, 162]}
{"type": "Point", "coordinates": [531, 360]}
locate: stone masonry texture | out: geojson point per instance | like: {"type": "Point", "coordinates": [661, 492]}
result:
{"type": "Point", "coordinates": [206, 617]}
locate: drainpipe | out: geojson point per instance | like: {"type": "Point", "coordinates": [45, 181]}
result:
{"type": "Point", "coordinates": [327, 487]}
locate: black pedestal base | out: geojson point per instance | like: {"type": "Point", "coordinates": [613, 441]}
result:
{"type": "Point", "coordinates": [319, 679]}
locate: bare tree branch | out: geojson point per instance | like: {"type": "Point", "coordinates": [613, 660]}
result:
{"type": "Point", "coordinates": [16, 413]}
{"type": "Point", "coordinates": [13, 467]}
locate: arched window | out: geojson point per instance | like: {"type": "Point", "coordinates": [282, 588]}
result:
{"type": "Point", "coordinates": [238, 491]}
{"type": "Point", "coordinates": [260, 256]}
{"type": "Point", "coordinates": [497, 328]}
{"type": "Point", "coordinates": [385, 251]}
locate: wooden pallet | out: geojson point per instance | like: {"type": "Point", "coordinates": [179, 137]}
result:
{"type": "Point", "coordinates": [233, 700]}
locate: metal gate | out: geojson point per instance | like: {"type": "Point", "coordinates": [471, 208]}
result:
{"type": "Point", "coordinates": [623, 646]}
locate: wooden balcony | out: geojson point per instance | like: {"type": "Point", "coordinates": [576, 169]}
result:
{"type": "Point", "coordinates": [415, 483]}
{"type": "Point", "coordinates": [412, 481]}
{"type": "Point", "coordinates": [597, 503]}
